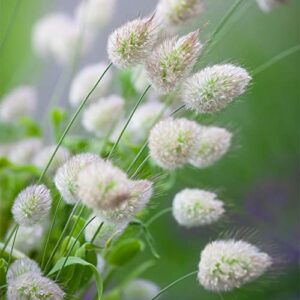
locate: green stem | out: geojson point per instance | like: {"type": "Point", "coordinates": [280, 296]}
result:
{"type": "Point", "coordinates": [137, 171]}
{"type": "Point", "coordinates": [174, 283]}
{"type": "Point", "coordinates": [128, 121]}
{"type": "Point", "coordinates": [137, 157]}
{"type": "Point", "coordinates": [158, 215]}
{"type": "Point", "coordinates": [79, 109]}
{"type": "Point", "coordinates": [276, 59]}
{"type": "Point", "coordinates": [9, 238]}
{"type": "Point", "coordinates": [97, 232]}
{"type": "Point", "coordinates": [12, 247]}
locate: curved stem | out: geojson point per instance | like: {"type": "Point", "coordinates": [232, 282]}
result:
{"type": "Point", "coordinates": [97, 232]}
{"type": "Point", "coordinates": [71, 123]}
{"type": "Point", "coordinates": [9, 238]}
{"type": "Point", "coordinates": [137, 171]}
{"type": "Point", "coordinates": [12, 247]}
{"type": "Point", "coordinates": [158, 215]}
{"type": "Point", "coordinates": [174, 283]}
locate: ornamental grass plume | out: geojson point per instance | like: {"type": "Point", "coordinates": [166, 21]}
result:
{"type": "Point", "coordinates": [172, 61]}
{"type": "Point", "coordinates": [32, 205]}
{"type": "Point", "coordinates": [66, 176]}
{"type": "Point", "coordinates": [139, 289]}
{"type": "Point", "coordinates": [101, 117]}
{"type": "Point", "coordinates": [85, 80]}
{"type": "Point", "coordinates": [132, 43]}
{"type": "Point", "coordinates": [172, 142]}
{"type": "Point", "coordinates": [33, 286]}
{"type": "Point", "coordinates": [229, 264]}
{"type": "Point", "coordinates": [195, 207]}
{"type": "Point", "coordinates": [213, 143]}
{"type": "Point", "coordinates": [19, 102]}
{"type": "Point", "coordinates": [211, 89]}
{"type": "Point", "coordinates": [268, 5]}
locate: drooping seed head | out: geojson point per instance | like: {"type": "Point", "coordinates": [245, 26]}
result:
{"type": "Point", "coordinates": [132, 43]}
{"type": "Point", "coordinates": [86, 79]}
{"type": "Point", "coordinates": [33, 286]}
{"type": "Point", "coordinates": [20, 267]}
{"type": "Point", "coordinates": [211, 89]}
{"type": "Point", "coordinates": [213, 143]}
{"type": "Point", "coordinates": [268, 5]}
{"type": "Point", "coordinates": [18, 103]}
{"type": "Point", "coordinates": [229, 264]}
{"type": "Point", "coordinates": [101, 117]}
{"type": "Point", "coordinates": [66, 176]}
{"type": "Point", "coordinates": [194, 207]}
{"type": "Point", "coordinates": [107, 230]}
{"type": "Point", "coordinates": [140, 192]}
{"type": "Point", "coordinates": [172, 61]}
{"type": "Point", "coordinates": [172, 141]}
{"type": "Point", "coordinates": [140, 289]}
{"type": "Point", "coordinates": [41, 159]}
{"type": "Point", "coordinates": [32, 205]}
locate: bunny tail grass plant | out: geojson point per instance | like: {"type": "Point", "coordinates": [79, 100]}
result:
{"type": "Point", "coordinates": [77, 211]}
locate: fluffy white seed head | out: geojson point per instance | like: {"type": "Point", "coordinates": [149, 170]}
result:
{"type": "Point", "coordinates": [22, 152]}
{"type": "Point", "coordinates": [102, 186]}
{"type": "Point", "coordinates": [85, 80]}
{"type": "Point", "coordinates": [107, 230]}
{"type": "Point", "coordinates": [66, 176]}
{"type": "Point", "coordinates": [268, 5]}
{"type": "Point", "coordinates": [32, 205]}
{"type": "Point", "coordinates": [175, 13]}
{"type": "Point", "coordinates": [132, 43]}
{"type": "Point", "coordinates": [145, 118]}
{"type": "Point", "coordinates": [41, 159]}
{"type": "Point", "coordinates": [211, 89]}
{"type": "Point", "coordinates": [33, 286]}
{"type": "Point", "coordinates": [140, 289]}
{"type": "Point", "coordinates": [101, 117]}
{"type": "Point", "coordinates": [140, 192]}
{"type": "Point", "coordinates": [92, 15]}
{"type": "Point", "coordinates": [212, 144]}
{"type": "Point", "coordinates": [194, 207]}
{"type": "Point", "coordinates": [172, 141]}
{"type": "Point", "coordinates": [229, 264]}
{"type": "Point", "coordinates": [172, 61]}
{"type": "Point", "coordinates": [20, 267]}
{"type": "Point", "coordinates": [18, 103]}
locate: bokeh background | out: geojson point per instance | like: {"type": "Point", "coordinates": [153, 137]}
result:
{"type": "Point", "coordinates": [259, 179]}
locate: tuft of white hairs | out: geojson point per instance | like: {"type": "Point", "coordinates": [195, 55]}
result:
{"type": "Point", "coordinates": [229, 264]}
{"type": "Point", "coordinates": [32, 205]}
{"type": "Point", "coordinates": [85, 80]}
{"type": "Point", "coordinates": [195, 207]}
{"type": "Point", "coordinates": [18, 103]}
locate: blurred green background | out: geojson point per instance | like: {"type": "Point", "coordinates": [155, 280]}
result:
{"type": "Point", "coordinates": [258, 179]}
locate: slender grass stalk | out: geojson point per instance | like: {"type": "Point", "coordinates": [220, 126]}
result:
{"type": "Point", "coordinates": [97, 232]}
{"type": "Point", "coordinates": [174, 283]}
{"type": "Point", "coordinates": [72, 247]}
{"type": "Point", "coordinates": [128, 121]}
{"type": "Point", "coordinates": [158, 215]}
{"type": "Point", "coordinates": [77, 112]}
{"type": "Point", "coordinates": [50, 231]}
{"type": "Point", "coordinates": [9, 238]}
{"type": "Point", "coordinates": [137, 157]}
{"type": "Point", "coordinates": [140, 167]}
{"type": "Point", "coordinates": [12, 247]}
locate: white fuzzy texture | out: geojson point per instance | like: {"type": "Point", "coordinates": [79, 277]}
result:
{"type": "Point", "coordinates": [22, 152]}
{"type": "Point", "coordinates": [140, 289]}
{"type": "Point", "coordinates": [95, 14]}
{"type": "Point", "coordinates": [139, 192]}
{"type": "Point", "coordinates": [268, 5]}
{"type": "Point", "coordinates": [229, 264]}
{"type": "Point", "coordinates": [172, 61]}
{"type": "Point", "coordinates": [66, 176]}
{"type": "Point", "coordinates": [107, 231]}
{"type": "Point", "coordinates": [33, 286]}
{"type": "Point", "coordinates": [85, 80]}
{"type": "Point", "coordinates": [145, 118]}
{"type": "Point", "coordinates": [132, 43]}
{"type": "Point", "coordinates": [18, 103]}
{"type": "Point", "coordinates": [176, 13]}
{"type": "Point", "coordinates": [194, 207]}
{"type": "Point", "coordinates": [32, 205]}
{"type": "Point", "coordinates": [41, 158]}
{"type": "Point", "coordinates": [211, 89]}
{"type": "Point", "coordinates": [172, 141]}
{"type": "Point", "coordinates": [20, 267]}
{"type": "Point", "coordinates": [100, 117]}
{"type": "Point", "coordinates": [59, 37]}
{"type": "Point", "coordinates": [139, 78]}
{"type": "Point", "coordinates": [212, 144]}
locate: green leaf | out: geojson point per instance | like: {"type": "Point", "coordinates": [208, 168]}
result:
{"type": "Point", "coordinates": [124, 251]}
{"type": "Point", "coordinates": [30, 127]}
{"type": "Point", "coordinates": [78, 261]}
{"type": "Point", "coordinates": [3, 268]}
{"type": "Point", "coordinates": [115, 294]}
